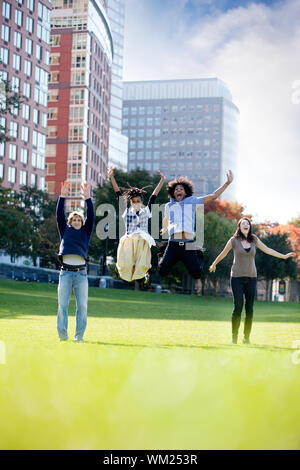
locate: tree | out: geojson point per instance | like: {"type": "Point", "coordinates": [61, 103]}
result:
{"type": "Point", "coordinates": [217, 231]}
{"type": "Point", "coordinates": [269, 267]}
{"type": "Point", "coordinates": [9, 101]}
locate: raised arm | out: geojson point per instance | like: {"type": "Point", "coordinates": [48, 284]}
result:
{"type": "Point", "coordinates": [160, 184]}
{"type": "Point", "coordinates": [60, 208]}
{"type": "Point", "coordinates": [90, 214]}
{"type": "Point", "coordinates": [219, 191]}
{"type": "Point", "coordinates": [222, 255]}
{"type": "Point", "coordinates": [112, 179]}
{"type": "Point", "coordinates": [271, 252]}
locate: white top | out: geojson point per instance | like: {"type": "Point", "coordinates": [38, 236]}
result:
{"type": "Point", "coordinates": [182, 214]}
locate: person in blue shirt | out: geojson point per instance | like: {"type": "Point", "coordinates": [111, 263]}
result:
{"type": "Point", "coordinates": [179, 221]}
{"type": "Point", "coordinates": [75, 234]}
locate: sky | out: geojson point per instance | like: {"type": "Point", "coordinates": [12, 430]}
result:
{"type": "Point", "coordinates": [254, 47]}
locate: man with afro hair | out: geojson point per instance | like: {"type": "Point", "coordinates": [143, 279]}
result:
{"type": "Point", "coordinates": [179, 221]}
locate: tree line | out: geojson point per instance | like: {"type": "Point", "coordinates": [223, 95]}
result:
{"type": "Point", "coordinates": [28, 228]}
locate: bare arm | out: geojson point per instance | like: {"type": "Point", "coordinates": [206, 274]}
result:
{"type": "Point", "coordinates": [222, 255]}
{"type": "Point", "coordinates": [165, 224]}
{"type": "Point", "coordinates": [271, 252]}
{"type": "Point", "coordinates": [160, 184]}
{"type": "Point", "coordinates": [112, 179]}
{"type": "Point", "coordinates": [219, 191]}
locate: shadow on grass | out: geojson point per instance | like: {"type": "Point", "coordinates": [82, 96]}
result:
{"type": "Point", "coordinates": [231, 347]}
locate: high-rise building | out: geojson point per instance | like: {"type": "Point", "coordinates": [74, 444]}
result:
{"type": "Point", "coordinates": [183, 128]}
{"type": "Point", "coordinates": [118, 143]}
{"type": "Point", "coordinates": [24, 62]}
{"type": "Point", "coordinates": [79, 96]}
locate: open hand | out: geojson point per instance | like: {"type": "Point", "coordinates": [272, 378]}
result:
{"type": "Point", "coordinates": [110, 171]}
{"type": "Point", "coordinates": [229, 177]}
{"type": "Point", "coordinates": [64, 189]}
{"type": "Point", "coordinates": [85, 191]}
{"type": "Point", "coordinates": [291, 255]}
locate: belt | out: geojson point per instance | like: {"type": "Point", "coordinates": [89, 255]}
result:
{"type": "Point", "coordinates": [68, 267]}
{"type": "Point", "coordinates": [180, 241]}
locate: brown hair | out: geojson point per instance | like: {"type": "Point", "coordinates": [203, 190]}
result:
{"type": "Point", "coordinates": [73, 215]}
{"type": "Point", "coordinates": [238, 234]}
{"type": "Point", "coordinates": [183, 181]}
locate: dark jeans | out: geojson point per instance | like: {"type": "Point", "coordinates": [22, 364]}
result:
{"type": "Point", "coordinates": [243, 287]}
{"type": "Point", "coordinates": [192, 259]}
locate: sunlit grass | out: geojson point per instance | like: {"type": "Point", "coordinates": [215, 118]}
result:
{"type": "Point", "coordinates": [155, 372]}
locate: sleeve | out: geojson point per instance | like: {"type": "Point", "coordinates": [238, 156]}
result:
{"type": "Point", "coordinates": [151, 201]}
{"type": "Point", "coordinates": [60, 216]}
{"type": "Point", "coordinates": [90, 216]}
{"type": "Point", "coordinates": [233, 240]}
{"type": "Point", "coordinates": [255, 239]}
{"type": "Point", "coordinates": [118, 194]}
{"type": "Point", "coordinates": [199, 200]}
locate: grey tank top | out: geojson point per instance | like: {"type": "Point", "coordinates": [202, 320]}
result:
{"type": "Point", "coordinates": [244, 259]}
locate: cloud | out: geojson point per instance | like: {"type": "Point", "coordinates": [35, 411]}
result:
{"type": "Point", "coordinates": [255, 50]}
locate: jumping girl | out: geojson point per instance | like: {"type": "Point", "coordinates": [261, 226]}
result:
{"type": "Point", "coordinates": [134, 250]}
{"type": "Point", "coordinates": [243, 276]}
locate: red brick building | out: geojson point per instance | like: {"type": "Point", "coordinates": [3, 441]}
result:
{"type": "Point", "coordinates": [78, 96]}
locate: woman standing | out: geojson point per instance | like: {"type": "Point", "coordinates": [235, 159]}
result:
{"type": "Point", "coordinates": [243, 275]}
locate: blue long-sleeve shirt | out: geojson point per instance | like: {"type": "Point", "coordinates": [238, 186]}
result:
{"type": "Point", "coordinates": [73, 241]}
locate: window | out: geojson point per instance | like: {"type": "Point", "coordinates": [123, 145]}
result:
{"type": "Point", "coordinates": [33, 180]}
{"type": "Point", "coordinates": [36, 116]}
{"type": "Point", "coordinates": [27, 90]}
{"type": "Point", "coordinates": [16, 62]}
{"type": "Point", "coordinates": [12, 151]}
{"type": "Point", "coordinates": [38, 52]}
{"type": "Point", "coordinates": [30, 5]}
{"type": "Point", "coordinates": [54, 77]}
{"type": "Point", "coordinates": [53, 112]}
{"type": "Point", "coordinates": [42, 185]}
{"type": "Point", "coordinates": [55, 40]}
{"type": "Point", "coordinates": [29, 24]}
{"type": "Point", "coordinates": [6, 10]}
{"type": "Point", "coordinates": [52, 131]}
{"type": "Point", "coordinates": [25, 133]}
{"type": "Point", "coordinates": [1, 170]}
{"type": "Point", "coordinates": [47, 58]}
{"type": "Point", "coordinates": [27, 67]}
{"type": "Point", "coordinates": [55, 58]}
{"type": "Point", "coordinates": [2, 149]}
{"type": "Point", "coordinates": [44, 120]}
{"type": "Point", "coordinates": [4, 55]}
{"type": "Point", "coordinates": [11, 174]}
{"type": "Point", "coordinates": [51, 187]}
{"type": "Point", "coordinates": [23, 178]}
{"type": "Point", "coordinates": [51, 150]}
{"type": "Point", "coordinates": [28, 46]}
{"type": "Point", "coordinates": [5, 33]}
{"type": "Point", "coordinates": [18, 17]}
{"type": "Point", "coordinates": [26, 112]}
{"type": "Point", "coordinates": [14, 129]}
{"type": "Point", "coordinates": [15, 84]}
{"type": "Point", "coordinates": [51, 169]}
{"type": "Point", "coordinates": [24, 156]}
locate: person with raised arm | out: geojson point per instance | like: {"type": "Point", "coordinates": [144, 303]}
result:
{"type": "Point", "coordinates": [134, 249]}
{"type": "Point", "coordinates": [179, 221]}
{"type": "Point", "coordinates": [75, 234]}
{"type": "Point", "coordinates": [243, 277]}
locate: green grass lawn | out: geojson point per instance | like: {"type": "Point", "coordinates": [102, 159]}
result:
{"type": "Point", "coordinates": [156, 371]}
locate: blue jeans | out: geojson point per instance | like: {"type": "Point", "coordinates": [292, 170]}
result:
{"type": "Point", "coordinates": [78, 281]}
